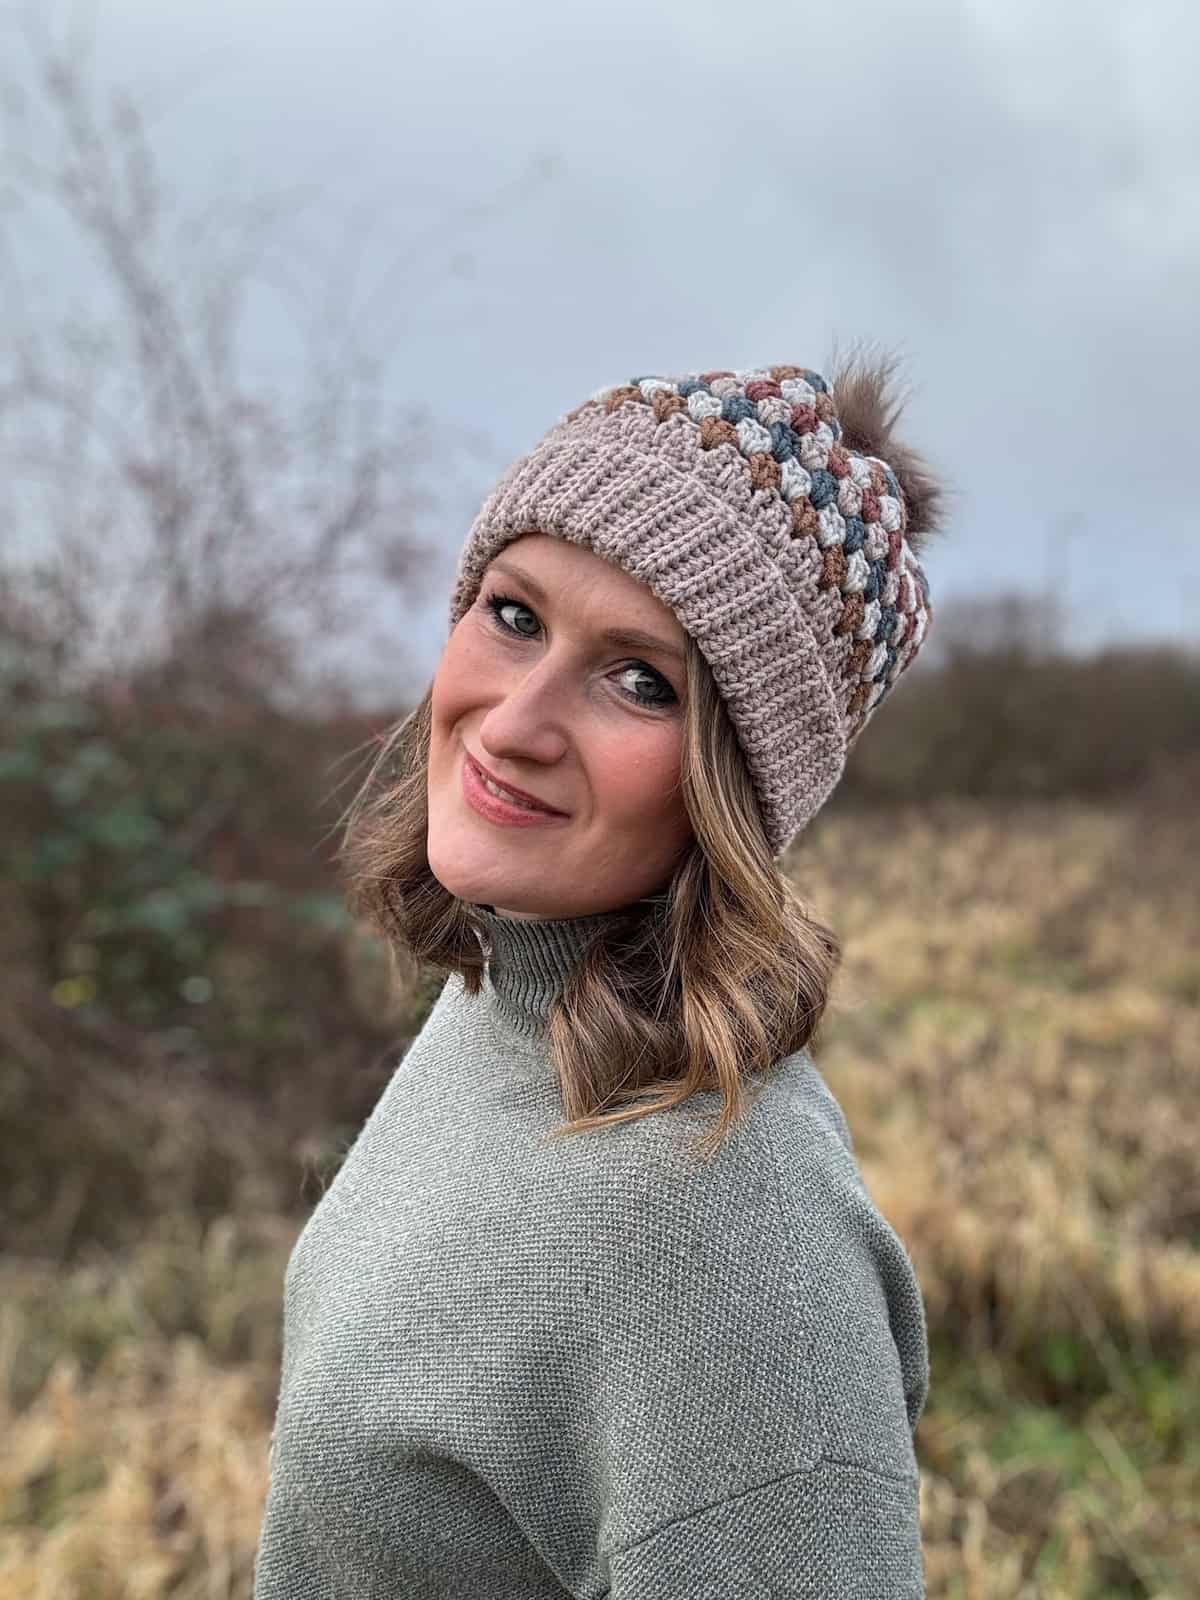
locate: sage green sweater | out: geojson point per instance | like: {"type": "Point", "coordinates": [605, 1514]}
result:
{"type": "Point", "coordinates": [596, 1367]}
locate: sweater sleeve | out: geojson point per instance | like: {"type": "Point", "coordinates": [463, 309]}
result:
{"type": "Point", "coordinates": [837, 1532]}
{"type": "Point", "coordinates": [756, 1366]}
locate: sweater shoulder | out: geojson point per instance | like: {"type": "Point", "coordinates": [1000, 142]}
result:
{"type": "Point", "coordinates": [780, 1230]}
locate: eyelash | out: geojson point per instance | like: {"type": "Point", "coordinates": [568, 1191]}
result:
{"type": "Point", "coordinates": [495, 600]}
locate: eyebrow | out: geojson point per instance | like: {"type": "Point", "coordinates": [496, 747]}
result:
{"type": "Point", "coordinates": [626, 638]}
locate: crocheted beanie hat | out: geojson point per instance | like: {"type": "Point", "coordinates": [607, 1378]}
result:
{"type": "Point", "coordinates": [786, 547]}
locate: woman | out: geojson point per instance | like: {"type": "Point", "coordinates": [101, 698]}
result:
{"type": "Point", "coordinates": [535, 1355]}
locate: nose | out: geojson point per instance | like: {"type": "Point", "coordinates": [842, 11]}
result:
{"type": "Point", "coordinates": [526, 722]}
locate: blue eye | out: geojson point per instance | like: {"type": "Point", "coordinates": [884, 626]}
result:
{"type": "Point", "coordinates": [496, 602]}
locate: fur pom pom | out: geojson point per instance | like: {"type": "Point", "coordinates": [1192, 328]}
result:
{"type": "Point", "coordinates": [868, 411]}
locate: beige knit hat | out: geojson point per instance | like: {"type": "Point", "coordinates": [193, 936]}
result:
{"type": "Point", "coordinates": [742, 501]}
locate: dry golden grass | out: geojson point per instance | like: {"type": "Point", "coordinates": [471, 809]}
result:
{"type": "Point", "coordinates": [135, 1405]}
{"type": "Point", "coordinates": [1014, 1038]}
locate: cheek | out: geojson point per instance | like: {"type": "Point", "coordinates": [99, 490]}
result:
{"type": "Point", "coordinates": [636, 775]}
{"type": "Point", "coordinates": [456, 672]}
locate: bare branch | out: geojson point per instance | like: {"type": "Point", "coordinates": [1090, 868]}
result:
{"type": "Point", "coordinates": [193, 516]}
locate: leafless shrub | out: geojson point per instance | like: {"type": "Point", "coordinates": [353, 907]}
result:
{"type": "Point", "coordinates": [174, 515]}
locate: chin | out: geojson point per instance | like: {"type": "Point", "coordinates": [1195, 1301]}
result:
{"type": "Point", "coordinates": [478, 881]}
{"type": "Point", "coordinates": [484, 888]}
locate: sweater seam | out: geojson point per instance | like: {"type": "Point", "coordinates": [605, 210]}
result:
{"type": "Point", "coordinates": [823, 1461]}
{"type": "Point", "coordinates": [800, 1311]}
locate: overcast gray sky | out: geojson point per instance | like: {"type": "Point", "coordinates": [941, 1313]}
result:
{"type": "Point", "coordinates": [1007, 192]}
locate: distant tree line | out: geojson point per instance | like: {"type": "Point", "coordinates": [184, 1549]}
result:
{"type": "Point", "coordinates": [1003, 712]}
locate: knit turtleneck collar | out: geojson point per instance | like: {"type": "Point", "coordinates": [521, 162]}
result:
{"type": "Point", "coordinates": [529, 961]}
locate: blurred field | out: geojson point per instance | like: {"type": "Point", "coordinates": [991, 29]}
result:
{"type": "Point", "coordinates": [1015, 1041]}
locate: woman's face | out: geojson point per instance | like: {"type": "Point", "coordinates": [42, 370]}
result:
{"type": "Point", "coordinates": [529, 686]}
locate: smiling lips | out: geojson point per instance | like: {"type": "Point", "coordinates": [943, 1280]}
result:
{"type": "Point", "coordinates": [510, 793]}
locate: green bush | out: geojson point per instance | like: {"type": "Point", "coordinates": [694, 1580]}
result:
{"type": "Point", "coordinates": [181, 998]}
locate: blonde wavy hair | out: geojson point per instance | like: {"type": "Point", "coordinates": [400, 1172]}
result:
{"type": "Point", "coordinates": [705, 986]}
